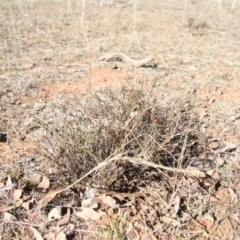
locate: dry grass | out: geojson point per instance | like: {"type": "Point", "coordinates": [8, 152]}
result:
{"type": "Point", "coordinates": [131, 140]}
{"type": "Point", "coordinates": [130, 122]}
{"type": "Point", "coordinates": [134, 142]}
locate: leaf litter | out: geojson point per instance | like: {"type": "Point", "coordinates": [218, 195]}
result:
{"type": "Point", "coordinates": [137, 168]}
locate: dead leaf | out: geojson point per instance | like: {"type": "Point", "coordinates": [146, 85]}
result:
{"type": "Point", "coordinates": [208, 220]}
{"type": "Point", "coordinates": [109, 201]}
{"type": "Point", "coordinates": [94, 202]}
{"type": "Point", "coordinates": [27, 205]}
{"type": "Point", "coordinates": [16, 205]}
{"type": "Point", "coordinates": [220, 161]}
{"type": "Point", "coordinates": [50, 236]}
{"type": "Point", "coordinates": [87, 202]}
{"type": "Point", "coordinates": [169, 221]}
{"type": "Point", "coordinates": [213, 174]}
{"type": "Point", "coordinates": [210, 172]}
{"type": "Point", "coordinates": [194, 172]}
{"type": "Point", "coordinates": [90, 192]}
{"type": "Point", "coordinates": [9, 185]}
{"type": "Point", "coordinates": [95, 206]}
{"type": "Point", "coordinates": [213, 199]}
{"type": "Point", "coordinates": [17, 194]}
{"type": "Point", "coordinates": [214, 145]}
{"type": "Point", "coordinates": [89, 213]}
{"type": "Point", "coordinates": [91, 202]}
{"type": "Point", "coordinates": [44, 184]}
{"type": "Point", "coordinates": [33, 233]}
{"type": "Point", "coordinates": [49, 196]}
{"type": "Point", "coordinates": [61, 236]}
{"type": "Point", "coordinates": [130, 196]}
{"type": "Point", "coordinates": [233, 195]}
{"type": "Point", "coordinates": [216, 176]}
{"type": "Point", "coordinates": [207, 183]}
{"type": "Point", "coordinates": [52, 170]}
{"type": "Point", "coordinates": [55, 214]}
{"type": "Point", "coordinates": [9, 182]}
{"type": "Point", "coordinates": [65, 218]}
{"type": "Point", "coordinates": [9, 217]}
{"type": "Point", "coordinates": [32, 182]}
{"type": "Point", "coordinates": [222, 194]}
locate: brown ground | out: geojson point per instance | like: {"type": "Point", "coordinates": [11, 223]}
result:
{"type": "Point", "coordinates": [46, 57]}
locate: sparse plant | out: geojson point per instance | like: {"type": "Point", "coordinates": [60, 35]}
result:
{"type": "Point", "coordinates": [115, 231]}
{"type": "Point", "coordinates": [130, 122]}
{"type": "Point", "coordinates": [14, 171]}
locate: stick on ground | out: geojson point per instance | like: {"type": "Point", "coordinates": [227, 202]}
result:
{"type": "Point", "coordinates": [126, 59]}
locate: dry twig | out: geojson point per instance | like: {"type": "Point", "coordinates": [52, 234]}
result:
{"type": "Point", "coordinates": [126, 59]}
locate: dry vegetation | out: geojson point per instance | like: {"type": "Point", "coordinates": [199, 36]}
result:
{"type": "Point", "coordinates": [112, 150]}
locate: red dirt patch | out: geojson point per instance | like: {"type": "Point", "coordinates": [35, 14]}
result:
{"type": "Point", "coordinates": [11, 150]}
{"type": "Point", "coordinates": [99, 78]}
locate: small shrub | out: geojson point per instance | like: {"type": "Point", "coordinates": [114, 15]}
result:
{"type": "Point", "coordinates": [129, 122]}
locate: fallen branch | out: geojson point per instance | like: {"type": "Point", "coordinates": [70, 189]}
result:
{"type": "Point", "coordinates": [110, 57]}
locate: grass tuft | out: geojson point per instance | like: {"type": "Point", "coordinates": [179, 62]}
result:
{"type": "Point", "coordinates": [131, 122]}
